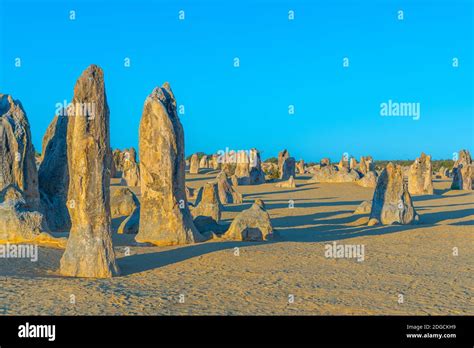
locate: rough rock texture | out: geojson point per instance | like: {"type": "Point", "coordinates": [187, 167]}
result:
{"type": "Point", "coordinates": [123, 202]}
{"type": "Point", "coordinates": [443, 173]}
{"type": "Point", "coordinates": [21, 224]}
{"type": "Point", "coordinates": [89, 251]}
{"type": "Point", "coordinates": [165, 218]}
{"type": "Point", "coordinates": [391, 202]}
{"type": "Point", "coordinates": [344, 163]}
{"type": "Point", "coordinates": [253, 224]}
{"type": "Point", "coordinates": [234, 181]}
{"type": "Point", "coordinates": [194, 165]}
{"type": "Point", "coordinates": [20, 220]}
{"type": "Point", "coordinates": [131, 224]}
{"type": "Point", "coordinates": [257, 175]}
{"type": "Point", "coordinates": [242, 168]}
{"type": "Point", "coordinates": [352, 163]}
{"type": "Point", "coordinates": [290, 183]}
{"type": "Point", "coordinates": [17, 154]}
{"type": "Point", "coordinates": [366, 164]}
{"type": "Point", "coordinates": [331, 174]}
{"type": "Point", "coordinates": [208, 202]}
{"type": "Point", "coordinates": [364, 208]}
{"type": "Point", "coordinates": [204, 162]}
{"type": "Point", "coordinates": [368, 180]}
{"type": "Point", "coordinates": [117, 159]}
{"type": "Point", "coordinates": [53, 175]}
{"type": "Point", "coordinates": [282, 156]}
{"type": "Point", "coordinates": [325, 162]}
{"type": "Point", "coordinates": [214, 163]}
{"type": "Point", "coordinates": [130, 168]}
{"type": "Point", "coordinates": [226, 191]}
{"type": "Point", "coordinates": [287, 169]}
{"type": "Point", "coordinates": [300, 167]}
{"type": "Point", "coordinates": [420, 180]}
{"type": "Point", "coordinates": [462, 172]}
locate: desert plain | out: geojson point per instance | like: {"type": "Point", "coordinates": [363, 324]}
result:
{"type": "Point", "coordinates": [289, 275]}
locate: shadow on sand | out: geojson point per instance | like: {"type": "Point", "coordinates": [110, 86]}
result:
{"type": "Point", "coordinates": [145, 262]}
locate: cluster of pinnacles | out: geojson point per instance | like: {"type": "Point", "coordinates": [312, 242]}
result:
{"type": "Point", "coordinates": [70, 189]}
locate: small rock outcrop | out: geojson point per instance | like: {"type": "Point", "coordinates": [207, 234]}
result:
{"type": "Point", "coordinates": [290, 183]}
{"type": "Point", "coordinates": [123, 202]}
{"type": "Point", "coordinates": [331, 174]}
{"type": "Point", "coordinates": [130, 168]}
{"type": "Point", "coordinates": [368, 180]}
{"type": "Point", "coordinates": [208, 202]}
{"type": "Point", "coordinates": [226, 191]}
{"type": "Point", "coordinates": [364, 208]}
{"type": "Point", "coordinates": [463, 172]}
{"type": "Point", "coordinates": [391, 202]}
{"type": "Point", "coordinates": [420, 177]}
{"type": "Point", "coordinates": [253, 224]}
{"type": "Point", "coordinates": [194, 165]}
{"type": "Point", "coordinates": [287, 168]}
{"type": "Point", "coordinates": [300, 167]}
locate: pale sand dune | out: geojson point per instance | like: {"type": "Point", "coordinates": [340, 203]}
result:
{"type": "Point", "coordinates": [415, 261]}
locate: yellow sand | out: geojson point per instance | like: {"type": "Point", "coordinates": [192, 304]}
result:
{"type": "Point", "coordinates": [416, 261]}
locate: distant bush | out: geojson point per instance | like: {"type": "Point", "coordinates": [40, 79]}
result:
{"type": "Point", "coordinates": [272, 160]}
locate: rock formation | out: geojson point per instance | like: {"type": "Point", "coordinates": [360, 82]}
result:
{"type": "Point", "coordinates": [21, 224]}
{"type": "Point", "coordinates": [226, 191]}
{"type": "Point", "coordinates": [253, 224]}
{"type": "Point", "coordinates": [366, 165]}
{"type": "Point", "coordinates": [352, 163]}
{"type": "Point", "coordinates": [344, 162]}
{"type": "Point", "coordinates": [242, 171]}
{"type": "Point", "coordinates": [117, 159]}
{"type": "Point", "coordinates": [287, 168]}
{"type": "Point", "coordinates": [364, 208]}
{"type": "Point", "coordinates": [300, 167]}
{"type": "Point", "coordinates": [214, 163]}
{"type": "Point", "coordinates": [391, 202]}
{"type": "Point", "coordinates": [20, 218]}
{"type": "Point", "coordinates": [208, 202]}
{"type": "Point", "coordinates": [204, 162]}
{"type": "Point", "coordinates": [130, 171]}
{"type": "Point", "coordinates": [194, 166]}
{"type": "Point", "coordinates": [17, 154]}
{"type": "Point", "coordinates": [89, 251]}
{"type": "Point", "coordinates": [53, 175]}
{"type": "Point", "coordinates": [282, 156]}
{"type": "Point", "coordinates": [368, 180]}
{"type": "Point", "coordinates": [325, 162]}
{"type": "Point", "coordinates": [257, 175]}
{"type": "Point", "coordinates": [420, 176]}
{"type": "Point", "coordinates": [123, 202]}
{"type": "Point", "coordinates": [331, 174]}
{"type": "Point", "coordinates": [165, 218]}
{"type": "Point", "coordinates": [290, 183]}
{"type": "Point", "coordinates": [462, 172]}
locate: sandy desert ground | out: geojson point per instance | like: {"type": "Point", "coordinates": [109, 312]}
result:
{"type": "Point", "coordinates": [416, 261]}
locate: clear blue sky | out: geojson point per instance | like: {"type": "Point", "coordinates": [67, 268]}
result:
{"type": "Point", "coordinates": [283, 62]}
